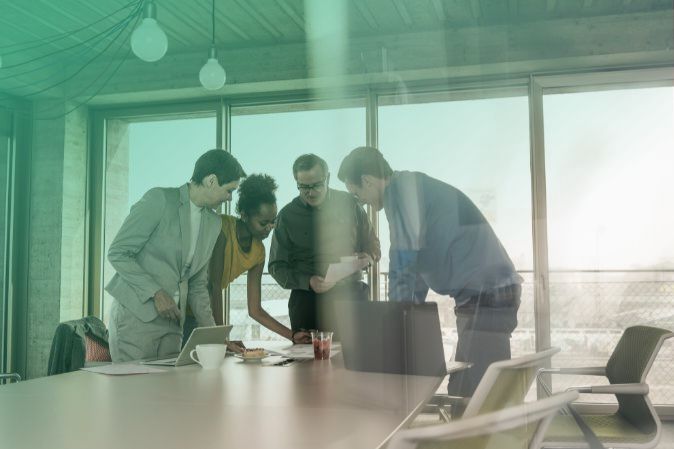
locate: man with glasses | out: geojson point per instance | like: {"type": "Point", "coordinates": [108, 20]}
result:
{"type": "Point", "coordinates": [315, 229]}
{"type": "Point", "coordinates": [440, 241]}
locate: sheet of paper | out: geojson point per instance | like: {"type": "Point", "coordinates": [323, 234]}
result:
{"type": "Point", "coordinates": [340, 270]}
{"type": "Point", "coordinates": [305, 351]}
{"type": "Point", "coordinates": [123, 369]}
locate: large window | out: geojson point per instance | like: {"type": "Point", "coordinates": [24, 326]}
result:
{"type": "Point", "coordinates": [480, 146]}
{"type": "Point", "coordinates": [608, 181]}
{"type": "Point", "coordinates": [611, 252]}
{"type": "Point", "coordinates": [146, 154]}
{"type": "Point", "coordinates": [5, 170]}
{"type": "Point", "coordinates": [268, 140]}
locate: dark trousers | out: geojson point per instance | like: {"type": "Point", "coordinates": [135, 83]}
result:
{"type": "Point", "coordinates": [310, 310]}
{"type": "Point", "coordinates": [484, 325]}
{"type": "Point", "coordinates": [189, 325]}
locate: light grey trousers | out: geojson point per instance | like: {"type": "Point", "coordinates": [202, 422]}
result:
{"type": "Point", "coordinates": [133, 339]}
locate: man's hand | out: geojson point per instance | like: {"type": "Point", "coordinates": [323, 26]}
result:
{"type": "Point", "coordinates": [166, 306]}
{"type": "Point", "coordinates": [375, 250]}
{"type": "Point", "coordinates": [319, 285]}
{"type": "Point", "coordinates": [364, 259]}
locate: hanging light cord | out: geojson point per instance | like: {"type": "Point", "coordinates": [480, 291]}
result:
{"type": "Point", "coordinates": [57, 37]}
{"type": "Point", "coordinates": [213, 24]}
{"type": "Point", "coordinates": [135, 11]}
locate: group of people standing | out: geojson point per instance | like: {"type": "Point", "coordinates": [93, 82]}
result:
{"type": "Point", "coordinates": [174, 255]}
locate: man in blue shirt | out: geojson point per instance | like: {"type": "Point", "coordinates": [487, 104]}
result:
{"type": "Point", "coordinates": [440, 240]}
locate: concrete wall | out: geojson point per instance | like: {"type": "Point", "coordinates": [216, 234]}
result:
{"type": "Point", "coordinates": [116, 194]}
{"type": "Point", "coordinates": [56, 228]}
{"type": "Point", "coordinates": [73, 216]}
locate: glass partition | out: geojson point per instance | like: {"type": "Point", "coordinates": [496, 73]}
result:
{"type": "Point", "coordinates": [268, 140]}
{"type": "Point", "coordinates": [5, 179]}
{"type": "Point", "coordinates": [481, 147]}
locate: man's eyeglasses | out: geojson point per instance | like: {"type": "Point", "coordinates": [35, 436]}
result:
{"type": "Point", "coordinates": [316, 187]}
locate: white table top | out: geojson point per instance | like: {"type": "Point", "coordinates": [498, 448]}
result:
{"type": "Point", "coordinates": [312, 404]}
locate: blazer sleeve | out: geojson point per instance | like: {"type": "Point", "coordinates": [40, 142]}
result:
{"type": "Point", "coordinates": [135, 232]}
{"type": "Point", "coordinates": [199, 299]}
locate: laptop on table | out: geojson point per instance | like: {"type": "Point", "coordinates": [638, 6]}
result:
{"type": "Point", "coordinates": [391, 337]}
{"type": "Point", "coordinates": [199, 336]}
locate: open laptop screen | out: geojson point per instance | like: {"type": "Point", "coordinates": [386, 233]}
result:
{"type": "Point", "coordinates": [391, 337]}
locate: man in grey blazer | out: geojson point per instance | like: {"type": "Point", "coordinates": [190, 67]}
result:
{"type": "Point", "coordinates": [161, 256]}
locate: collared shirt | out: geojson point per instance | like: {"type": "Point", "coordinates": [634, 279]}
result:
{"type": "Point", "coordinates": [195, 226]}
{"type": "Point", "coordinates": [307, 239]}
{"type": "Point", "coordinates": [440, 240]}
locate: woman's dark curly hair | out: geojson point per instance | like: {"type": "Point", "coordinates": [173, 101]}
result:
{"type": "Point", "coordinates": [254, 191]}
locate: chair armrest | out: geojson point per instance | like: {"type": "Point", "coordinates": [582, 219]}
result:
{"type": "Point", "coordinates": [637, 389]}
{"type": "Point", "coordinates": [580, 371]}
{"type": "Point", "coordinates": [11, 376]}
{"type": "Point", "coordinates": [444, 399]}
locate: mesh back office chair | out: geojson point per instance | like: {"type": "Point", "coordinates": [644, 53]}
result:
{"type": "Point", "coordinates": [77, 342]}
{"type": "Point", "coordinates": [519, 427]}
{"type": "Point", "coordinates": [635, 424]}
{"type": "Point", "coordinates": [504, 384]}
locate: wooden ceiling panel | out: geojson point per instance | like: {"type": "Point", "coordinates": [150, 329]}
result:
{"type": "Point", "coordinates": [459, 12]}
{"type": "Point", "coordinates": [386, 14]}
{"type": "Point", "coordinates": [273, 25]}
{"type": "Point", "coordinates": [495, 11]}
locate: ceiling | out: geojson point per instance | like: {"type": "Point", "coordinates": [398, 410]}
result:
{"type": "Point", "coordinates": [38, 61]}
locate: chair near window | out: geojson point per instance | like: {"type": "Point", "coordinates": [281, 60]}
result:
{"type": "Point", "coordinates": [6, 378]}
{"type": "Point", "coordinates": [518, 427]}
{"type": "Point", "coordinates": [78, 343]}
{"type": "Point", "coordinates": [635, 424]}
{"type": "Point", "coordinates": [504, 384]}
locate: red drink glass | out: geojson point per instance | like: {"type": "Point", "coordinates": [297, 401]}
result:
{"type": "Point", "coordinates": [322, 342]}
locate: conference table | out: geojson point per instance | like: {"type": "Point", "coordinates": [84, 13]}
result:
{"type": "Point", "coordinates": [311, 404]}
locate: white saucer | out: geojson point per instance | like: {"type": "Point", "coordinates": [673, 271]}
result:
{"type": "Point", "coordinates": [251, 359]}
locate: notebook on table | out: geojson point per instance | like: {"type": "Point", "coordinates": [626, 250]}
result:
{"type": "Point", "coordinates": [199, 336]}
{"type": "Point", "coordinates": [391, 337]}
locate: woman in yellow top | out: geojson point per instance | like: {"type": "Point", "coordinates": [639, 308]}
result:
{"type": "Point", "coordinates": [239, 249]}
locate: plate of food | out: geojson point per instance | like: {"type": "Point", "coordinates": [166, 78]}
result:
{"type": "Point", "coordinates": [252, 354]}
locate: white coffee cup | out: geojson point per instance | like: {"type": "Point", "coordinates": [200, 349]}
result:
{"type": "Point", "coordinates": [209, 356]}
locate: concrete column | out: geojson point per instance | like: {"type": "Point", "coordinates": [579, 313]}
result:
{"type": "Point", "coordinates": [56, 228]}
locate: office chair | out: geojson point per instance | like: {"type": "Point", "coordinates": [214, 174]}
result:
{"type": "Point", "coordinates": [6, 378]}
{"type": "Point", "coordinates": [77, 343]}
{"type": "Point", "coordinates": [635, 424]}
{"type": "Point", "coordinates": [504, 384]}
{"type": "Point", "coordinates": [518, 427]}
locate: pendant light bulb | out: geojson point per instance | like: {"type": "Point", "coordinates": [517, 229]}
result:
{"type": "Point", "coordinates": [212, 76]}
{"type": "Point", "coordinates": [149, 41]}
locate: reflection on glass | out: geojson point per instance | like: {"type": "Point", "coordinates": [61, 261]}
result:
{"type": "Point", "coordinates": [481, 147]}
{"type": "Point", "coordinates": [5, 142]}
{"type": "Point", "coordinates": [269, 142]}
{"type": "Point", "coordinates": [609, 188]}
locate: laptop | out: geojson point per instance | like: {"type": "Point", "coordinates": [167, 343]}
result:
{"type": "Point", "coordinates": [199, 336]}
{"type": "Point", "coordinates": [391, 337]}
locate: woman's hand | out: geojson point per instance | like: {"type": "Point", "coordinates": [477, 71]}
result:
{"type": "Point", "coordinates": [301, 337]}
{"type": "Point", "coordinates": [235, 346]}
